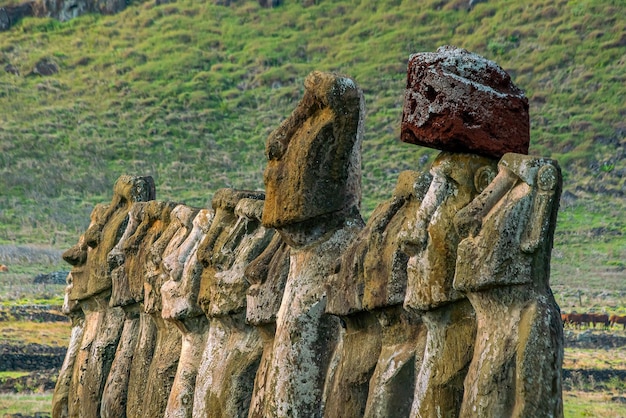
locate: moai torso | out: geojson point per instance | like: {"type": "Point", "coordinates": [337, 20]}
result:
{"type": "Point", "coordinates": [379, 341]}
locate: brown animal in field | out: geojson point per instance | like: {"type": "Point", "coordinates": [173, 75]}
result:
{"type": "Point", "coordinates": [599, 318]}
{"type": "Point", "coordinates": [575, 319]}
{"type": "Point", "coordinates": [617, 319]}
{"type": "Point", "coordinates": [3, 268]}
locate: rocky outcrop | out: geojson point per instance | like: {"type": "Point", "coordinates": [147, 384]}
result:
{"type": "Point", "coordinates": [285, 303]}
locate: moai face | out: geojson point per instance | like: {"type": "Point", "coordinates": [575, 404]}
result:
{"type": "Point", "coordinates": [180, 293]}
{"type": "Point", "coordinates": [103, 237]}
{"type": "Point", "coordinates": [432, 238]}
{"type": "Point", "coordinates": [118, 257]}
{"type": "Point", "coordinates": [178, 226]}
{"type": "Point", "coordinates": [77, 256]}
{"type": "Point", "coordinates": [314, 163]}
{"type": "Point", "coordinates": [216, 251]}
{"type": "Point", "coordinates": [510, 226]}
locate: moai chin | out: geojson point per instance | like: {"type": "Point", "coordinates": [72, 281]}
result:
{"type": "Point", "coordinates": [466, 106]}
{"type": "Point", "coordinates": [313, 191]}
{"type": "Point", "coordinates": [503, 265]}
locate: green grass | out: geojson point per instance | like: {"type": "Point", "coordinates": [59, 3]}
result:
{"type": "Point", "coordinates": [27, 404]}
{"type": "Point", "coordinates": [583, 404]}
{"type": "Point", "coordinates": [187, 92]}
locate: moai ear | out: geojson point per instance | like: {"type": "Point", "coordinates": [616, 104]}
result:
{"type": "Point", "coordinates": [547, 182]}
{"type": "Point", "coordinates": [483, 177]}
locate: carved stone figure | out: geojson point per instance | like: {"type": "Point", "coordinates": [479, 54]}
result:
{"type": "Point", "coordinates": [135, 349]}
{"type": "Point", "coordinates": [504, 267]}
{"type": "Point", "coordinates": [267, 275]}
{"type": "Point", "coordinates": [102, 238]}
{"type": "Point", "coordinates": [432, 242]}
{"type": "Point", "coordinates": [313, 190]}
{"type": "Point", "coordinates": [168, 338]}
{"type": "Point", "coordinates": [233, 348]}
{"type": "Point", "coordinates": [180, 306]}
{"type": "Point", "coordinates": [368, 292]}
{"type": "Point", "coordinates": [60, 398]}
{"type": "Point", "coordinates": [155, 220]}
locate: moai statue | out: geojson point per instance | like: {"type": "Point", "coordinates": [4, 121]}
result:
{"type": "Point", "coordinates": [155, 219]}
{"type": "Point", "coordinates": [267, 275]}
{"type": "Point", "coordinates": [373, 374]}
{"type": "Point", "coordinates": [465, 105]}
{"type": "Point", "coordinates": [168, 344]}
{"type": "Point", "coordinates": [76, 256]}
{"type": "Point", "coordinates": [504, 267]}
{"type": "Point", "coordinates": [79, 348]}
{"type": "Point", "coordinates": [92, 288]}
{"type": "Point", "coordinates": [180, 306]}
{"type": "Point", "coordinates": [313, 191]}
{"type": "Point", "coordinates": [135, 348]}
{"type": "Point", "coordinates": [233, 347]}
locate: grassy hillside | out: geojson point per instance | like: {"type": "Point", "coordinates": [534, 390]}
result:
{"type": "Point", "coordinates": [187, 92]}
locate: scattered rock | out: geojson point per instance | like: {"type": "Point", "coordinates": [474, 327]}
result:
{"type": "Point", "coordinates": [46, 67]}
{"type": "Point", "coordinates": [57, 277]}
{"type": "Point", "coordinates": [11, 69]}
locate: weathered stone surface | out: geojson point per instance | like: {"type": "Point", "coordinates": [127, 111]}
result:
{"type": "Point", "coordinates": [461, 102]}
{"type": "Point", "coordinates": [431, 240]}
{"type": "Point", "coordinates": [372, 276]}
{"type": "Point", "coordinates": [233, 348]}
{"type": "Point", "coordinates": [180, 306]}
{"type": "Point", "coordinates": [60, 398]}
{"type": "Point", "coordinates": [268, 275]}
{"type": "Point", "coordinates": [215, 252]}
{"type": "Point", "coordinates": [503, 265]}
{"type": "Point", "coordinates": [104, 235]}
{"type": "Point", "coordinates": [114, 394]}
{"type": "Point", "coordinates": [430, 236]}
{"type": "Point", "coordinates": [314, 157]}
{"type": "Point", "coordinates": [372, 271]}
{"type": "Point", "coordinates": [312, 197]}
{"type": "Point", "coordinates": [168, 346]}
{"type": "Point", "coordinates": [140, 366]}
{"type": "Point", "coordinates": [392, 385]}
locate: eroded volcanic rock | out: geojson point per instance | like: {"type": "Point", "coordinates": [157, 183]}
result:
{"type": "Point", "coordinates": [458, 101]}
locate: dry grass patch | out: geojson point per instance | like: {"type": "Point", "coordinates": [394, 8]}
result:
{"type": "Point", "coordinates": [54, 334]}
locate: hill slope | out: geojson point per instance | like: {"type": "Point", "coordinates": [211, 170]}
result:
{"type": "Point", "coordinates": [187, 92]}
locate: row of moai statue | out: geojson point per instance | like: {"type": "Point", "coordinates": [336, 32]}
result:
{"type": "Point", "coordinates": [285, 303]}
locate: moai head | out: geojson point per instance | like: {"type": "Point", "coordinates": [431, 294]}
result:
{"type": "Point", "coordinates": [103, 236]}
{"type": "Point", "coordinates": [458, 101]}
{"type": "Point", "coordinates": [77, 256]}
{"type": "Point", "coordinates": [431, 237]}
{"type": "Point", "coordinates": [217, 249]}
{"type": "Point", "coordinates": [313, 174]}
{"type": "Point", "coordinates": [247, 240]}
{"type": "Point", "coordinates": [129, 258]}
{"type": "Point", "coordinates": [181, 218]}
{"type": "Point", "coordinates": [510, 226]}
{"type": "Point", "coordinates": [267, 275]}
{"type": "Point", "coordinates": [180, 293]}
